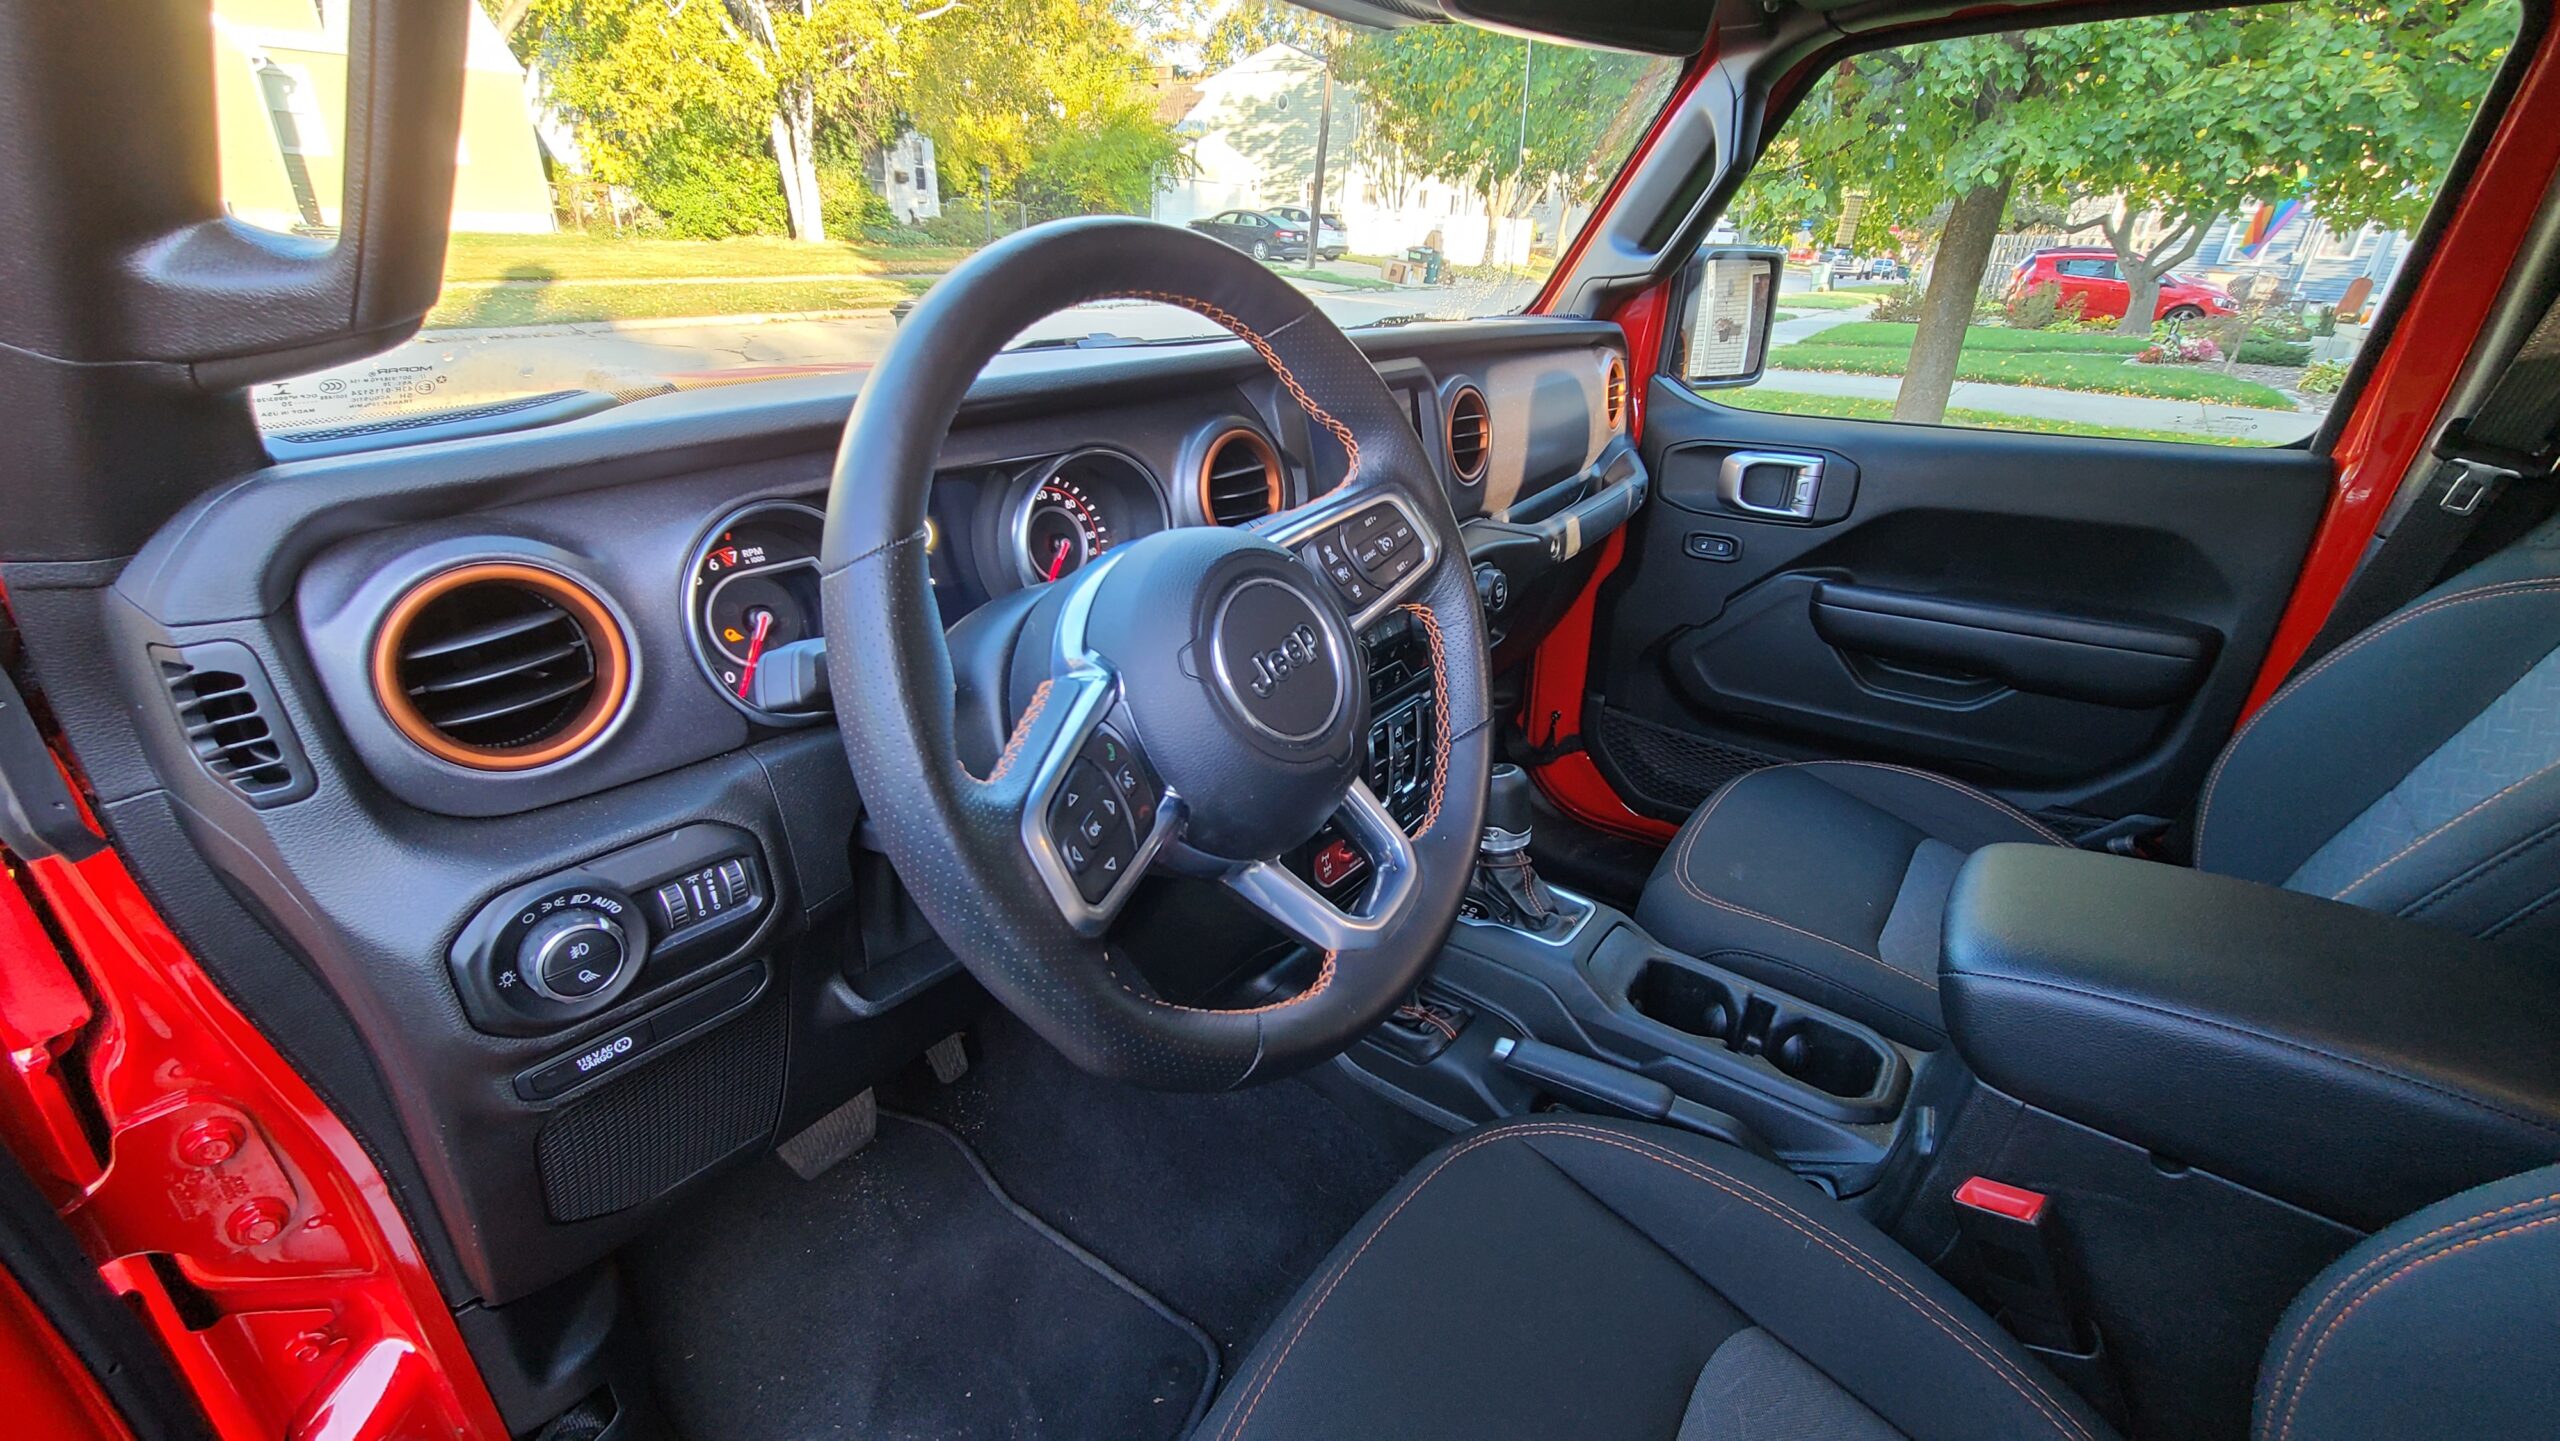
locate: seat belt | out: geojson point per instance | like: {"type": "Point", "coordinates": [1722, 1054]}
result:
{"type": "Point", "coordinates": [2513, 435]}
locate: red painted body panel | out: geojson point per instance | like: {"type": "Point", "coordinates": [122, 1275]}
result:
{"type": "Point", "coordinates": [44, 1390]}
{"type": "Point", "coordinates": [327, 1323]}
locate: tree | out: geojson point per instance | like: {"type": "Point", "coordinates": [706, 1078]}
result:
{"type": "Point", "coordinates": [2354, 105]}
{"type": "Point", "coordinates": [1250, 25]}
{"type": "Point", "coordinates": [632, 72]}
{"type": "Point", "coordinates": [1046, 95]}
{"type": "Point", "coordinates": [1513, 118]}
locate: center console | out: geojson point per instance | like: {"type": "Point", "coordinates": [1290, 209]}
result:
{"type": "Point", "coordinates": [1545, 999]}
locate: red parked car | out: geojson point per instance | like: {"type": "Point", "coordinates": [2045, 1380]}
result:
{"type": "Point", "coordinates": [2089, 273]}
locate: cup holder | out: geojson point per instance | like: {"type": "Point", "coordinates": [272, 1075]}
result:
{"type": "Point", "coordinates": [1806, 1047]}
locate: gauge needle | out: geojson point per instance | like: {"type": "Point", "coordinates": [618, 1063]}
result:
{"type": "Point", "coordinates": [1058, 562]}
{"type": "Point", "coordinates": [755, 652]}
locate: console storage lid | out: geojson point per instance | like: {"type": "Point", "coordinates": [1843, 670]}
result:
{"type": "Point", "coordinates": [2350, 1062]}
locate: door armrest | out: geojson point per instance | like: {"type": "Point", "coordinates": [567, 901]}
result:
{"type": "Point", "coordinates": [2349, 1062]}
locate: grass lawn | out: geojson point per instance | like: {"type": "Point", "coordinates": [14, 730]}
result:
{"type": "Point", "coordinates": [1851, 407]}
{"type": "Point", "coordinates": [1824, 300]}
{"type": "Point", "coordinates": [1897, 335]}
{"type": "Point", "coordinates": [573, 257]}
{"type": "Point", "coordinates": [564, 304]}
{"type": "Point", "coordinates": [2000, 363]}
{"type": "Point", "coordinates": [1293, 270]}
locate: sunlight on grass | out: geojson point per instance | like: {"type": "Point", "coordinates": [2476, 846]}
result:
{"type": "Point", "coordinates": [1851, 407]}
{"type": "Point", "coordinates": [576, 304]}
{"type": "Point", "coordinates": [2055, 370]}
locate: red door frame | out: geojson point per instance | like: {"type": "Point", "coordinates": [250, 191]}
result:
{"type": "Point", "coordinates": [2394, 415]}
{"type": "Point", "coordinates": [304, 1308]}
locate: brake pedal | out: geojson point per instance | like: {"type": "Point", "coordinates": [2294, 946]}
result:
{"type": "Point", "coordinates": [832, 1137]}
{"type": "Point", "coordinates": [948, 1058]}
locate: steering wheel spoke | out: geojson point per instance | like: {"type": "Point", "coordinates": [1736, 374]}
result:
{"type": "Point", "coordinates": [1094, 812]}
{"type": "Point", "coordinates": [1301, 910]}
{"type": "Point", "coordinates": [1368, 544]}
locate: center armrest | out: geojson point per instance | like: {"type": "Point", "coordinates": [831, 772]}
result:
{"type": "Point", "coordinates": [2347, 1061]}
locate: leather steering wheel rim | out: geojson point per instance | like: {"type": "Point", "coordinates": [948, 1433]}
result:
{"type": "Point", "coordinates": [959, 841]}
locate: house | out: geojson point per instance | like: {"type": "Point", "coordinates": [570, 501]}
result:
{"type": "Point", "coordinates": [1251, 133]}
{"type": "Point", "coordinates": [904, 175]}
{"type": "Point", "coordinates": [280, 101]}
{"type": "Point", "coordinates": [2299, 255]}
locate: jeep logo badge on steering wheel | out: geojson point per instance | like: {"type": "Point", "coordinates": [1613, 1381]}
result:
{"type": "Point", "coordinates": [1278, 662]}
{"type": "Point", "coordinates": [1273, 666]}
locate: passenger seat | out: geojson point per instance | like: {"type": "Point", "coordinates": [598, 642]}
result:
{"type": "Point", "coordinates": [2414, 770]}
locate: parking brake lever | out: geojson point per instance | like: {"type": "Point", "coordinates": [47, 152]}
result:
{"type": "Point", "coordinates": [1621, 1092]}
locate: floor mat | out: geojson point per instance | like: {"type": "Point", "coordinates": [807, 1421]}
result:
{"type": "Point", "coordinates": [901, 1295]}
{"type": "Point", "coordinates": [1219, 1204]}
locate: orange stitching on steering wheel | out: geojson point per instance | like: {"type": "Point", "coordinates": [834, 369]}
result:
{"type": "Point", "coordinates": [1270, 357]}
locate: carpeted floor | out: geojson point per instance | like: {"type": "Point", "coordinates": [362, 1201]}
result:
{"type": "Point", "coordinates": [896, 1297]}
{"type": "Point", "coordinates": [900, 1295]}
{"type": "Point", "coordinates": [1219, 1204]}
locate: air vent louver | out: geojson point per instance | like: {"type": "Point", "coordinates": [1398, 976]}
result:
{"type": "Point", "coordinates": [500, 666]}
{"type": "Point", "coordinates": [1613, 400]}
{"type": "Point", "coordinates": [231, 721]}
{"type": "Point", "coordinates": [1470, 434]}
{"type": "Point", "coordinates": [1239, 478]}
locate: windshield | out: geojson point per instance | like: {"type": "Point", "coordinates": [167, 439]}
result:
{"type": "Point", "coordinates": [654, 197]}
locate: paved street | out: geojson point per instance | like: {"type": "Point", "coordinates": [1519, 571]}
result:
{"type": "Point", "coordinates": [465, 367]}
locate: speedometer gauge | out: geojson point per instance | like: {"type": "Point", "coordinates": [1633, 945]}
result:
{"type": "Point", "coordinates": [1076, 508]}
{"type": "Point", "coordinates": [1062, 529]}
{"type": "Point", "coordinates": [753, 589]}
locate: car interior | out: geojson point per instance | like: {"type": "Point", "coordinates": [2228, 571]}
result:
{"type": "Point", "coordinates": [1427, 880]}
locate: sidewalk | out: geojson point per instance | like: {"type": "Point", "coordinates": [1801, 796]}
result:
{"type": "Point", "coordinates": [2263, 427]}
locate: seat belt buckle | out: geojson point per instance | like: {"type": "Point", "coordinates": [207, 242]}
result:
{"type": "Point", "coordinates": [2476, 482]}
{"type": "Point", "coordinates": [2010, 1231]}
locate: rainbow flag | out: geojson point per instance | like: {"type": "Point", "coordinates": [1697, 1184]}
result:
{"type": "Point", "coordinates": [2265, 223]}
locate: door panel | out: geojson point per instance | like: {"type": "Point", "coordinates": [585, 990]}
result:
{"type": "Point", "coordinates": [2073, 621]}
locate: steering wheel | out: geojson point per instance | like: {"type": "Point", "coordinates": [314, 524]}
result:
{"type": "Point", "coordinates": [1195, 699]}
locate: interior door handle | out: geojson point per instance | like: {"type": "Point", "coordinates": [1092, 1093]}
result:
{"type": "Point", "coordinates": [1797, 496]}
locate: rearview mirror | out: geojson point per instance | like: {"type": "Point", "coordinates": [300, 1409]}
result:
{"type": "Point", "coordinates": [1733, 299]}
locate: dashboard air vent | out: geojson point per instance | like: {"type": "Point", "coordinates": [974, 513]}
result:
{"type": "Point", "coordinates": [1239, 478]}
{"type": "Point", "coordinates": [500, 666]}
{"type": "Point", "coordinates": [229, 718]}
{"type": "Point", "coordinates": [1613, 398]}
{"type": "Point", "coordinates": [1470, 434]}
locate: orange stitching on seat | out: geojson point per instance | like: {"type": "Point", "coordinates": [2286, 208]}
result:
{"type": "Point", "coordinates": [1021, 733]}
{"type": "Point", "coordinates": [1270, 357]}
{"type": "Point", "coordinates": [2303, 1332]}
{"type": "Point", "coordinates": [2294, 1404]}
{"type": "Point", "coordinates": [2204, 807]}
{"type": "Point", "coordinates": [1743, 1191]}
{"type": "Point", "coordinates": [1968, 792]}
{"type": "Point", "coordinates": [1680, 875]}
{"type": "Point", "coordinates": [2397, 855]}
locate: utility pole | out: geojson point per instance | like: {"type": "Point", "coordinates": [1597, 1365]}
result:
{"type": "Point", "coordinates": [1324, 137]}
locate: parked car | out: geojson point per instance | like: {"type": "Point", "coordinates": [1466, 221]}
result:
{"type": "Point", "coordinates": [2090, 274]}
{"type": "Point", "coordinates": [1331, 242]}
{"type": "Point", "coordinates": [1258, 233]}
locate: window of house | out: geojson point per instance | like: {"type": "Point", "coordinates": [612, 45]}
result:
{"type": "Point", "coordinates": [1957, 150]}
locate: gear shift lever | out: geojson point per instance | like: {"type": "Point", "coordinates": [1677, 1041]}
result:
{"type": "Point", "coordinates": [1505, 888]}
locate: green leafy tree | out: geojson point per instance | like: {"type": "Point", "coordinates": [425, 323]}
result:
{"type": "Point", "coordinates": [1250, 25]}
{"type": "Point", "coordinates": [633, 72]}
{"type": "Point", "coordinates": [1050, 97]}
{"type": "Point", "coordinates": [2354, 105]}
{"type": "Point", "coordinates": [1509, 117]}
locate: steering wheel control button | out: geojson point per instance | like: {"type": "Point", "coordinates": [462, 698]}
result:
{"type": "Point", "coordinates": [1276, 661]}
{"type": "Point", "coordinates": [1089, 824]}
{"type": "Point", "coordinates": [1128, 775]}
{"type": "Point", "coordinates": [1326, 554]}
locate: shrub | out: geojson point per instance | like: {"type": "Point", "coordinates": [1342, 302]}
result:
{"type": "Point", "coordinates": [848, 204]}
{"type": "Point", "coordinates": [695, 182]}
{"type": "Point", "coordinates": [2256, 351]}
{"type": "Point", "coordinates": [1902, 302]}
{"type": "Point", "coordinates": [2042, 308]}
{"type": "Point", "coordinates": [2324, 321]}
{"type": "Point", "coordinates": [2322, 377]}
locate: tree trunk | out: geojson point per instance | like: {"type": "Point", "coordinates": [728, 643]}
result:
{"type": "Point", "coordinates": [2142, 295]}
{"type": "Point", "coordinates": [1324, 140]}
{"type": "Point", "coordinates": [1955, 278]}
{"type": "Point", "coordinates": [795, 154]}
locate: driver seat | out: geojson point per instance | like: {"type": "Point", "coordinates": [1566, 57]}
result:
{"type": "Point", "coordinates": [1567, 1277]}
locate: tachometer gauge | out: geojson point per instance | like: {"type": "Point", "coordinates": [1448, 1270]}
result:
{"type": "Point", "coordinates": [752, 590]}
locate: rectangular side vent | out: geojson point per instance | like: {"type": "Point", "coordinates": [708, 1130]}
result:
{"type": "Point", "coordinates": [229, 718]}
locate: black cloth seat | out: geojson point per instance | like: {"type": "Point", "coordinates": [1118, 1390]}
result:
{"type": "Point", "coordinates": [1565, 1277]}
{"type": "Point", "coordinates": [2415, 770]}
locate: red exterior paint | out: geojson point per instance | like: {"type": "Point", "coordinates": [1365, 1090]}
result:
{"type": "Point", "coordinates": [45, 1389]}
{"type": "Point", "coordinates": [327, 1325]}
{"type": "Point", "coordinates": [2395, 413]}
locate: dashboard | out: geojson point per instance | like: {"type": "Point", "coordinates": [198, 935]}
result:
{"type": "Point", "coordinates": [506, 754]}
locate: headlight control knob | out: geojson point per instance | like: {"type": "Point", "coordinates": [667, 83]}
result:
{"type": "Point", "coordinates": [572, 954]}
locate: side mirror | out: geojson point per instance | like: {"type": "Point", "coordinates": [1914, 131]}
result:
{"type": "Point", "coordinates": [1732, 295]}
